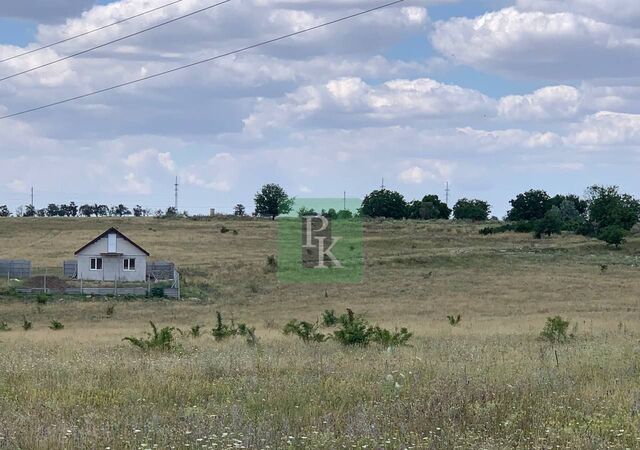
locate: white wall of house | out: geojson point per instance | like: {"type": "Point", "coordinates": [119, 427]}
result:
{"type": "Point", "coordinates": [113, 266]}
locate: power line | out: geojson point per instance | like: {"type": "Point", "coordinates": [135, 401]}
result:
{"type": "Point", "coordinates": [197, 63]}
{"type": "Point", "coordinates": [64, 58]}
{"type": "Point", "coordinates": [53, 44]}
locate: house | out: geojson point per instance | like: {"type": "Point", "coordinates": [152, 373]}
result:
{"type": "Point", "coordinates": [112, 257]}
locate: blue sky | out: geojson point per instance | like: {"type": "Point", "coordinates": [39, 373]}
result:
{"type": "Point", "coordinates": [494, 96]}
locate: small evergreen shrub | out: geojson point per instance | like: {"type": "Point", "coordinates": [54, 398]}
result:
{"type": "Point", "coordinates": [454, 320]}
{"type": "Point", "coordinates": [355, 330]}
{"type": "Point", "coordinates": [222, 330]}
{"type": "Point", "coordinates": [388, 338]}
{"type": "Point", "coordinates": [111, 309]}
{"type": "Point", "coordinates": [55, 325]}
{"type": "Point", "coordinates": [224, 230]}
{"type": "Point", "coordinates": [162, 340]}
{"type": "Point", "coordinates": [26, 325]}
{"type": "Point", "coordinates": [4, 326]}
{"type": "Point", "coordinates": [306, 331]}
{"type": "Point", "coordinates": [196, 331]}
{"type": "Point", "coordinates": [555, 330]}
{"type": "Point", "coordinates": [42, 299]}
{"type": "Point", "coordinates": [272, 264]}
{"type": "Point", "coordinates": [329, 318]}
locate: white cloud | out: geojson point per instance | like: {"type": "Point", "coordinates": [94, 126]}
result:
{"type": "Point", "coordinates": [165, 161]}
{"type": "Point", "coordinates": [613, 11]}
{"type": "Point", "coordinates": [542, 45]}
{"type": "Point", "coordinates": [428, 170]}
{"type": "Point", "coordinates": [553, 102]}
{"type": "Point", "coordinates": [18, 186]}
{"type": "Point", "coordinates": [607, 128]}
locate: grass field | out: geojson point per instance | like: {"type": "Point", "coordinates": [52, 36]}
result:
{"type": "Point", "coordinates": [487, 383]}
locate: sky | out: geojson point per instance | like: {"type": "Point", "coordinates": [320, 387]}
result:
{"type": "Point", "coordinates": [494, 97]}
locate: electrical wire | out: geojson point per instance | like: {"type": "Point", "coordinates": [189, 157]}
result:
{"type": "Point", "coordinates": [86, 33]}
{"type": "Point", "coordinates": [120, 39]}
{"type": "Point", "coordinates": [197, 63]}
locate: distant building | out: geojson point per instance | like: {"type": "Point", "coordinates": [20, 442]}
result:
{"type": "Point", "coordinates": [112, 256]}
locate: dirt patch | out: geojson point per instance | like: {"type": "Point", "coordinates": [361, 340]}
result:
{"type": "Point", "coordinates": [52, 283]}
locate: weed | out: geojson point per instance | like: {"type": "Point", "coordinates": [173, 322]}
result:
{"type": "Point", "coordinates": [111, 309]}
{"type": "Point", "coordinates": [306, 331]}
{"type": "Point", "coordinates": [55, 325]}
{"type": "Point", "coordinates": [4, 326]}
{"type": "Point", "coordinates": [555, 330]}
{"type": "Point", "coordinates": [355, 330]}
{"type": "Point", "coordinates": [26, 325]}
{"type": "Point", "coordinates": [195, 331]}
{"type": "Point", "coordinates": [162, 340]}
{"type": "Point", "coordinates": [42, 299]}
{"type": "Point", "coordinates": [249, 333]}
{"type": "Point", "coordinates": [272, 264]}
{"type": "Point", "coordinates": [454, 320]}
{"type": "Point", "coordinates": [224, 230]}
{"type": "Point", "coordinates": [157, 292]}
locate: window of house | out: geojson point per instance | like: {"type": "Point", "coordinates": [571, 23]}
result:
{"type": "Point", "coordinates": [130, 264]}
{"type": "Point", "coordinates": [96, 263]}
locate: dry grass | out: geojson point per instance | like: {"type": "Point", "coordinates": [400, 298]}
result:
{"type": "Point", "coordinates": [487, 383]}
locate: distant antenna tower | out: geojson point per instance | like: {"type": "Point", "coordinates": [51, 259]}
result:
{"type": "Point", "coordinates": [447, 190]}
{"type": "Point", "coordinates": [176, 200]}
{"type": "Point", "coordinates": [382, 185]}
{"type": "Point", "coordinates": [31, 195]}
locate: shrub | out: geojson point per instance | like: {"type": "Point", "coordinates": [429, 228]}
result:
{"type": "Point", "coordinates": [162, 340]}
{"type": "Point", "coordinates": [555, 330]}
{"type": "Point", "coordinates": [249, 333]}
{"type": "Point", "coordinates": [157, 292]}
{"type": "Point", "coordinates": [272, 264]}
{"type": "Point", "coordinates": [110, 310]}
{"type": "Point", "coordinates": [195, 331]}
{"type": "Point", "coordinates": [329, 318]}
{"type": "Point", "coordinates": [612, 235]}
{"type": "Point", "coordinates": [306, 331]}
{"type": "Point", "coordinates": [222, 330]}
{"type": "Point", "coordinates": [26, 325]}
{"type": "Point", "coordinates": [355, 330]}
{"type": "Point", "coordinates": [390, 339]}
{"type": "Point", "coordinates": [224, 230]}
{"type": "Point", "coordinates": [4, 326]}
{"type": "Point", "coordinates": [55, 325]}
{"type": "Point", "coordinates": [42, 299]}
{"type": "Point", "coordinates": [454, 320]}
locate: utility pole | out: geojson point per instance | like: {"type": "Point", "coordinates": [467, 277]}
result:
{"type": "Point", "coordinates": [31, 195]}
{"type": "Point", "coordinates": [382, 185]}
{"type": "Point", "coordinates": [176, 192]}
{"type": "Point", "coordinates": [447, 190]}
{"type": "Point", "coordinates": [344, 201]}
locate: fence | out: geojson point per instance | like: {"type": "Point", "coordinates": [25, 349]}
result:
{"type": "Point", "coordinates": [62, 280]}
{"type": "Point", "coordinates": [15, 268]}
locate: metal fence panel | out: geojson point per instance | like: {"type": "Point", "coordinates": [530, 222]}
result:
{"type": "Point", "coordinates": [160, 270]}
{"type": "Point", "coordinates": [71, 269]}
{"type": "Point", "coordinates": [15, 268]}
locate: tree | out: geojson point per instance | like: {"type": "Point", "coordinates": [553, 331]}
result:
{"type": "Point", "coordinates": [239, 210]}
{"type": "Point", "coordinates": [576, 203]}
{"type": "Point", "coordinates": [384, 203]}
{"type": "Point", "coordinates": [53, 210]}
{"type": "Point", "coordinates": [531, 205]}
{"type": "Point", "coordinates": [86, 210]}
{"type": "Point", "coordinates": [331, 214]}
{"type": "Point", "coordinates": [120, 210]}
{"type": "Point", "coordinates": [171, 212]}
{"type": "Point", "coordinates": [344, 214]}
{"type": "Point", "coordinates": [138, 211]}
{"type": "Point", "coordinates": [70, 210]}
{"type": "Point", "coordinates": [305, 212]}
{"type": "Point", "coordinates": [550, 224]}
{"type": "Point", "coordinates": [4, 211]}
{"type": "Point", "coordinates": [430, 207]}
{"type": "Point", "coordinates": [29, 211]}
{"type": "Point", "coordinates": [272, 201]}
{"type": "Point", "coordinates": [471, 209]}
{"type": "Point", "coordinates": [612, 235]}
{"type": "Point", "coordinates": [608, 207]}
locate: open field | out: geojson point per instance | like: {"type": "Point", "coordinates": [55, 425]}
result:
{"type": "Point", "coordinates": [487, 383]}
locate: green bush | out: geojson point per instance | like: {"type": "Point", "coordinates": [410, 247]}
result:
{"type": "Point", "coordinates": [612, 235]}
{"type": "Point", "coordinates": [26, 325]}
{"type": "Point", "coordinates": [162, 340]}
{"type": "Point", "coordinates": [355, 330]}
{"type": "Point", "coordinates": [555, 330]}
{"type": "Point", "coordinates": [454, 320]}
{"type": "Point", "coordinates": [195, 331]}
{"type": "Point", "coordinates": [55, 325]}
{"type": "Point", "coordinates": [306, 331]}
{"type": "Point", "coordinates": [157, 292]}
{"type": "Point", "coordinates": [42, 298]}
{"type": "Point", "coordinates": [4, 326]}
{"type": "Point", "coordinates": [222, 330]}
{"type": "Point", "coordinates": [329, 318]}
{"type": "Point", "coordinates": [390, 339]}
